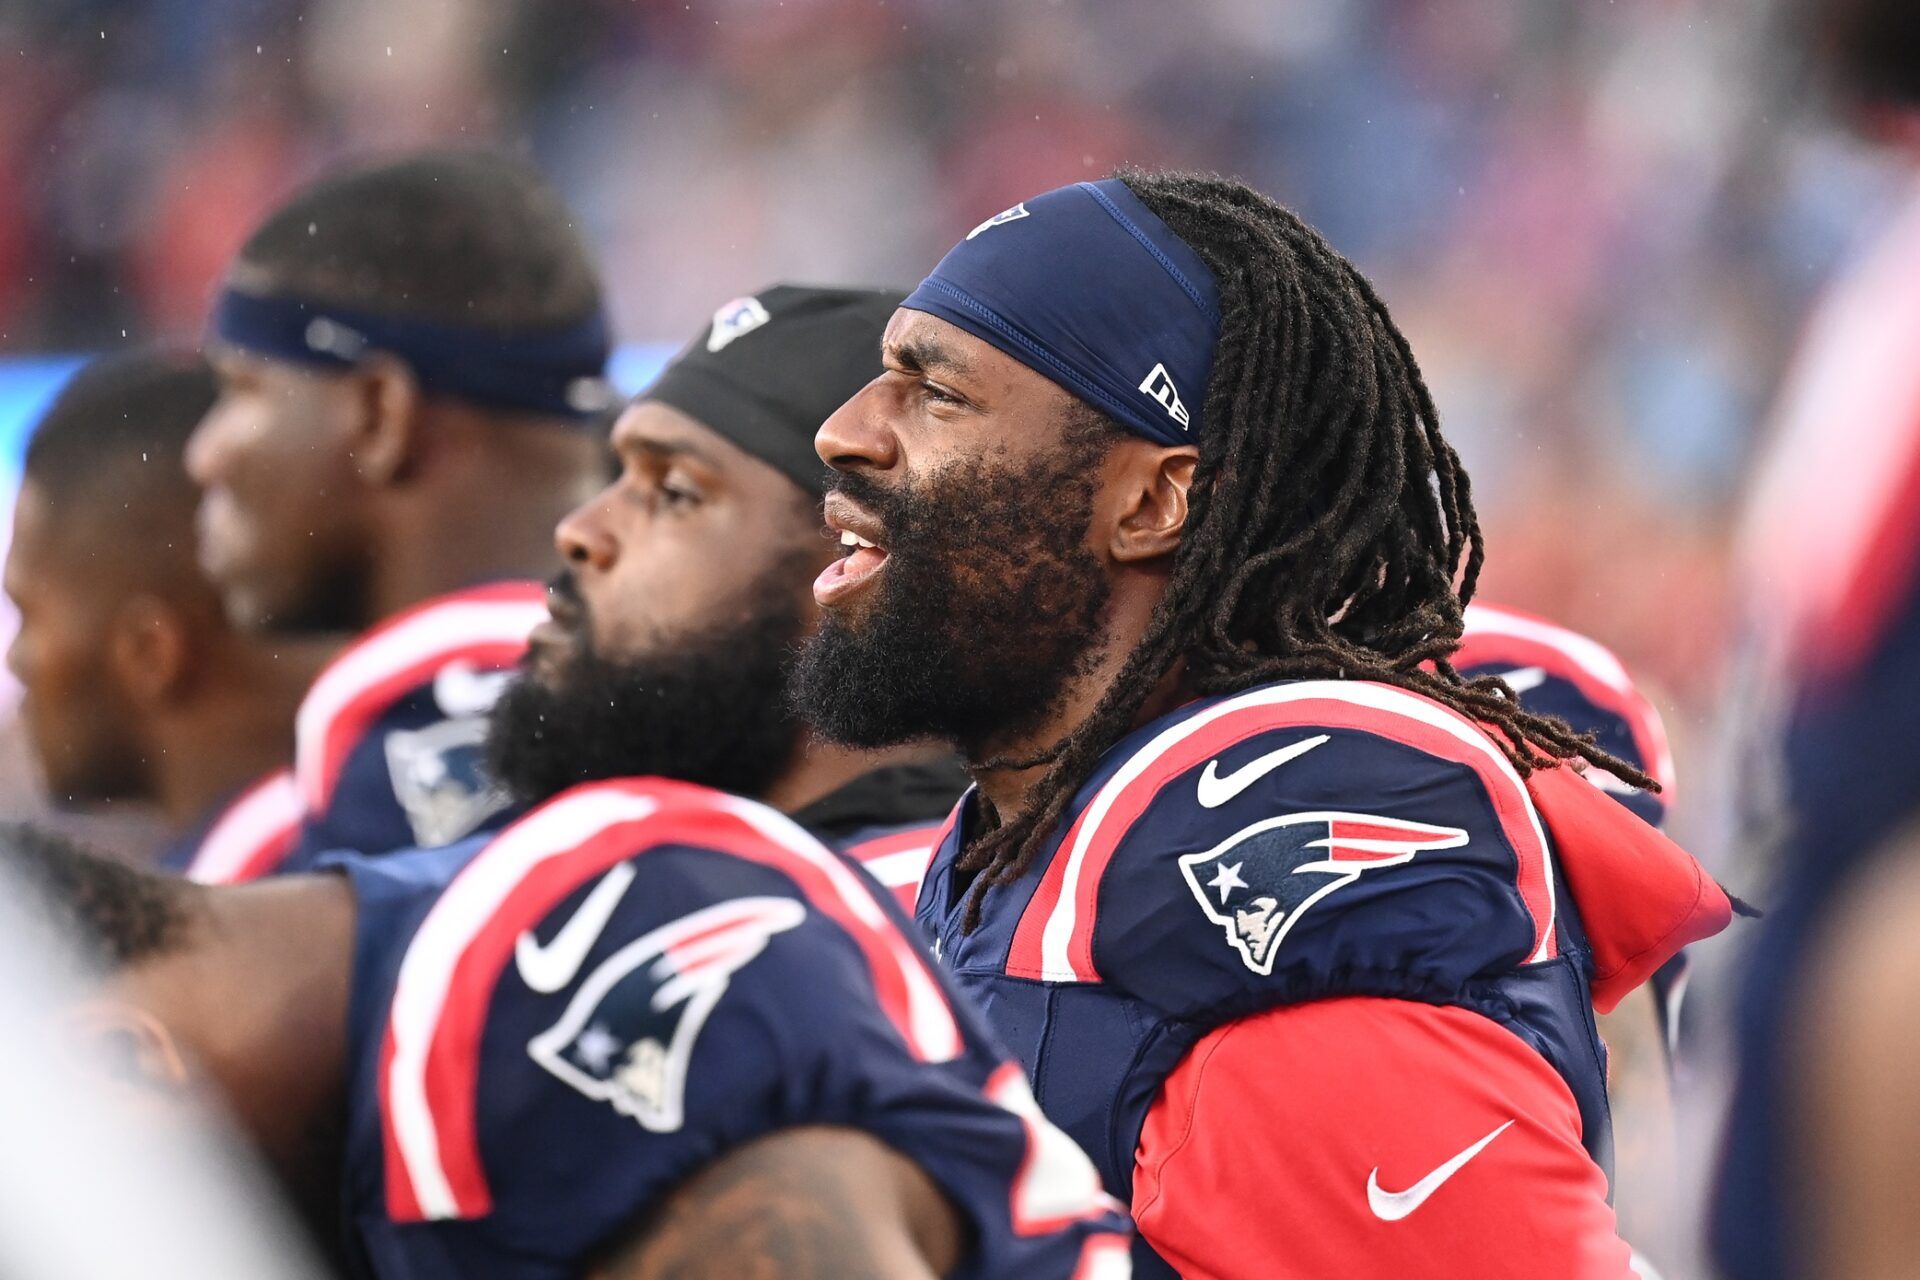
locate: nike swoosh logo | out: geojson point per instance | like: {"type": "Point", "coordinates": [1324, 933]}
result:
{"type": "Point", "coordinates": [550, 967]}
{"type": "Point", "coordinates": [1524, 679]}
{"type": "Point", "coordinates": [1214, 790]}
{"type": "Point", "coordinates": [1391, 1206]}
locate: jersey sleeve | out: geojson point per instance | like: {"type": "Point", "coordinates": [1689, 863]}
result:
{"type": "Point", "coordinates": [703, 984]}
{"type": "Point", "coordinates": [1367, 1137]}
{"type": "Point", "coordinates": [1293, 842]}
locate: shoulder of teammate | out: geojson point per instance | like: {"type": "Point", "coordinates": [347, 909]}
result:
{"type": "Point", "coordinates": [897, 855]}
{"type": "Point", "coordinates": [1293, 840]}
{"type": "Point", "coordinates": [388, 741]}
{"type": "Point", "coordinates": [641, 974]}
{"type": "Point", "coordinates": [1560, 672]}
{"type": "Point", "coordinates": [251, 835]}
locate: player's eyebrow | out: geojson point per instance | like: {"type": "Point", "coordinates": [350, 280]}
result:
{"type": "Point", "coordinates": [662, 450]}
{"type": "Point", "coordinates": [928, 355]}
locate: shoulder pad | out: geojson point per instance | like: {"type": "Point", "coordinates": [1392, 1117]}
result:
{"type": "Point", "coordinates": [477, 631]}
{"type": "Point", "coordinates": [599, 1011]}
{"type": "Point", "coordinates": [1267, 841]}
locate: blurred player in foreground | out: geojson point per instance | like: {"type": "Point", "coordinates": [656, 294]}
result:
{"type": "Point", "coordinates": [688, 590]}
{"type": "Point", "coordinates": [136, 687]}
{"type": "Point", "coordinates": [1820, 1172]}
{"type": "Point", "coordinates": [410, 360]}
{"type": "Point", "coordinates": [1150, 515]}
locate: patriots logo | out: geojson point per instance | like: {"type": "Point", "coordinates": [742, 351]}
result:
{"type": "Point", "coordinates": [629, 1032]}
{"type": "Point", "coordinates": [1262, 879]}
{"type": "Point", "coordinates": [439, 776]}
{"type": "Point", "coordinates": [1001, 219]}
{"type": "Point", "coordinates": [736, 319]}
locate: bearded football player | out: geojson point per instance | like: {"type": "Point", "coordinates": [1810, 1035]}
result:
{"type": "Point", "coordinates": [651, 1028]}
{"type": "Point", "coordinates": [1298, 932]}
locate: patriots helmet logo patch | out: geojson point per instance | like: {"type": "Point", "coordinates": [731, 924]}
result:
{"type": "Point", "coordinates": [628, 1033]}
{"type": "Point", "coordinates": [1000, 219]}
{"type": "Point", "coordinates": [1259, 881]}
{"type": "Point", "coordinates": [735, 319]}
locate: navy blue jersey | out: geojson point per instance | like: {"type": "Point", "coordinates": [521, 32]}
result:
{"type": "Point", "coordinates": [389, 741]}
{"type": "Point", "coordinates": [1833, 560]}
{"type": "Point", "coordinates": [553, 1027]}
{"type": "Point", "coordinates": [1357, 848]}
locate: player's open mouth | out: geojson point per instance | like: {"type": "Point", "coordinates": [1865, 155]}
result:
{"type": "Point", "coordinates": [862, 555]}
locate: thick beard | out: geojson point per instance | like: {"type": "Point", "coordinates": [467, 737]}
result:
{"type": "Point", "coordinates": [989, 607]}
{"type": "Point", "coordinates": [710, 708]}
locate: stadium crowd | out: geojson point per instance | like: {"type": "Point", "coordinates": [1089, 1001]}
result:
{"type": "Point", "coordinates": [1037, 772]}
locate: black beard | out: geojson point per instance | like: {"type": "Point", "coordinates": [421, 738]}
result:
{"type": "Point", "coordinates": [989, 606]}
{"type": "Point", "coordinates": [711, 708]}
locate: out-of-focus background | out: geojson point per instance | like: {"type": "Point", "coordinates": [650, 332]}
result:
{"type": "Point", "coordinates": [1602, 224]}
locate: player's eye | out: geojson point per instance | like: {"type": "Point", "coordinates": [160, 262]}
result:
{"type": "Point", "coordinates": [676, 493]}
{"type": "Point", "coordinates": [937, 394]}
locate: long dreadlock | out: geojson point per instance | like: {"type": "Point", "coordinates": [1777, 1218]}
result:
{"type": "Point", "coordinates": [1328, 522]}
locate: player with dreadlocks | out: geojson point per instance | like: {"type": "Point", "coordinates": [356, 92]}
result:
{"type": "Point", "coordinates": [1296, 930]}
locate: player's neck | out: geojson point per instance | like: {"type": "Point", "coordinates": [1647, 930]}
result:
{"type": "Point", "coordinates": [1007, 790]}
{"type": "Point", "coordinates": [238, 731]}
{"type": "Point", "coordinates": [485, 513]}
{"type": "Point", "coordinates": [819, 769]}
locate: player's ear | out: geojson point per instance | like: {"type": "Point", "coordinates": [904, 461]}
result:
{"type": "Point", "coordinates": [149, 649]}
{"type": "Point", "coordinates": [388, 438]}
{"type": "Point", "coordinates": [1151, 484]}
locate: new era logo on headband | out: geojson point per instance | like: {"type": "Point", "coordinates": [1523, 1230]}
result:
{"type": "Point", "coordinates": [1160, 386]}
{"type": "Point", "coordinates": [1004, 216]}
{"type": "Point", "coordinates": [741, 316]}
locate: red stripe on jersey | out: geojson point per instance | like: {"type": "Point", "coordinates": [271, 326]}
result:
{"type": "Point", "coordinates": [899, 860]}
{"type": "Point", "coordinates": [252, 836]}
{"type": "Point", "coordinates": [485, 627]}
{"type": "Point", "coordinates": [690, 817]}
{"type": "Point", "coordinates": [1512, 807]}
{"type": "Point", "coordinates": [1503, 636]}
{"type": "Point", "coordinates": [1350, 841]}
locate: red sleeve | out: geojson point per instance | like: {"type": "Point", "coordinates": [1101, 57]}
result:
{"type": "Point", "coordinates": [1367, 1137]}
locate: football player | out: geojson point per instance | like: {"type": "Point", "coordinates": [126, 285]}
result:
{"type": "Point", "coordinates": [409, 359]}
{"type": "Point", "coordinates": [1298, 932]}
{"type": "Point", "coordinates": [136, 687]}
{"type": "Point", "coordinates": [647, 1030]}
{"type": "Point", "coordinates": [1817, 1174]}
{"type": "Point", "coordinates": [687, 589]}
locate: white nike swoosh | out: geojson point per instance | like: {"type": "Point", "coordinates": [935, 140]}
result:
{"type": "Point", "coordinates": [1214, 790]}
{"type": "Point", "coordinates": [1391, 1206]}
{"type": "Point", "coordinates": [548, 968]}
{"type": "Point", "coordinates": [1522, 679]}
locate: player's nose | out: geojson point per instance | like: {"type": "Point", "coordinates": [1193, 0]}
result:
{"type": "Point", "coordinates": [858, 436]}
{"type": "Point", "coordinates": [207, 447]}
{"type": "Point", "coordinates": [582, 536]}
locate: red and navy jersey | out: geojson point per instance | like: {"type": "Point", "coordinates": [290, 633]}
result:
{"type": "Point", "coordinates": [389, 741]}
{"type": "Point", "coordinates": [554, 1026]}
{"type": "Point", "coordinates": [1559, 672]}
{"type": "Point", "coordinates": [1309, 971]}
{"type": "Point", "coordinates": [247, 836]}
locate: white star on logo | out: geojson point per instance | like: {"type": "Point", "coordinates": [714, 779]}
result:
{"type": "Point", "coordinates": [597, 1047]}
{"type": "Point", "coordinates": [1227, 879]}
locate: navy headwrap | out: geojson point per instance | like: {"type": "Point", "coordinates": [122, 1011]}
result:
{"type": "Point", "coordinates": [556, 372]}
{"type": "Point", "coordinates": [1088, 287]}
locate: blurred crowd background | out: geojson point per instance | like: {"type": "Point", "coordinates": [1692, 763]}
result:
{"type": "Point", "coordinates": [1602, 224]}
